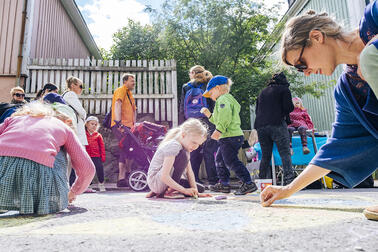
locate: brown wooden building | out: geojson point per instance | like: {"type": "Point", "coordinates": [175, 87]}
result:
{"type": "Point", "coordinates": [32, 29]}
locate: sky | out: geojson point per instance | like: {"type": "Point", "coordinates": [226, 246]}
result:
{"type": "Point", "coordinates": [105, 17]}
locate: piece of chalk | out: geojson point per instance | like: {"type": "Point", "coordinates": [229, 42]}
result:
{"type": "Point", "coordinates": [220, 197]}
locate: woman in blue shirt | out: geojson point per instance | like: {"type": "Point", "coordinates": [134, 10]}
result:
{"type": "Point", "coordinates": [315, 44]}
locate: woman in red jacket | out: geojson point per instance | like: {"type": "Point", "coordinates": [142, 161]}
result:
{"type": "Point", "coordinates": [96, 148]}
{"type": "Point", "coordinates": [301, 121]}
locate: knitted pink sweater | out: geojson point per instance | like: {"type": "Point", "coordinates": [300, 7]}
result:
{"type": "Point", "coordinates": [39, 139]}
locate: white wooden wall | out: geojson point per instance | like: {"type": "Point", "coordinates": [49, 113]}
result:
{"type": "Point", "coordinates": [155, 90]}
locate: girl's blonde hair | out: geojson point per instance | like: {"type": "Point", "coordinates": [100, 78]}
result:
{"type": "Point", "coordinates": [201, 75]}
{"type": "Point", "coordinates": [72, 80]}
{"type": "Point", "coordinates": [191, 126]}
{"type": "Point", "coordinates": [297, 31]}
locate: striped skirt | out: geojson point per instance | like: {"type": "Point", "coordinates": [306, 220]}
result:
{"type": "Point", "coordinates": [33, 188]}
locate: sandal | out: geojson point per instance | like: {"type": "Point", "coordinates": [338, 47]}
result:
{"type": "Point", "coordinates": [371, 213]}
{"type": "Point", "coordinates": [173, 195]}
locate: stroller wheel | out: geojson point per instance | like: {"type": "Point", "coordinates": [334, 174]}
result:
{"type": "Point", "coordinates": [138, 180]}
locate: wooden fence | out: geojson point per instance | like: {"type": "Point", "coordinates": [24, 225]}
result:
{"type": "Point", "coordinates": [155, 90]}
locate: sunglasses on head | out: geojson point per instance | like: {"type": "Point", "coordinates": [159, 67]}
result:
{"type": "Point", "coordinates": [300, 66]}
{"type": "Point", "coordinates": [19, 95]}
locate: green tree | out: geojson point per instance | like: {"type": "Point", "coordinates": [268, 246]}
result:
{"type": "Point", "coordinates": [223, 36]}
{"type": "Point", "coordinates": [136, 41]}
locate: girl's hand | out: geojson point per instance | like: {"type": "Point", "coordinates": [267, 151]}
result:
{"type": "Point", "coordinates": [273, 193]}
{"type": "Point", "coordinates": [71, 197]}
{"type": "Point", "coordinates": [190, 191]}
{"type": "Point", "coordinates": [206, 112]}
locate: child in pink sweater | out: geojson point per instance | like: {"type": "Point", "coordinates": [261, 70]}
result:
{"type": "Point", "coordinates": [33, 164]}
{"type": "Point", "coordinates": [300, 121]}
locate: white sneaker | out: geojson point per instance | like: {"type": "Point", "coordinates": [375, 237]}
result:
{"type": "Point", "coordinates": [101, 186]}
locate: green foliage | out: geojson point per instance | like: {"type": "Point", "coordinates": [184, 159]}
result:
{"type": "Point", "coordinates": [224, 36]}
{"type": "Point", "coordinates": [137, 42]}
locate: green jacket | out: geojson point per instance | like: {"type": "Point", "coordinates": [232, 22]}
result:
{"type": "Point", "coordinates": [226, 116]}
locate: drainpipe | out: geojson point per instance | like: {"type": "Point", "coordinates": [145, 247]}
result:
{"type": "Point", "coordinates": [20, 49]}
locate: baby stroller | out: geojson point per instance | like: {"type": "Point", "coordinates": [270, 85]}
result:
{"type": "Point", "coordinates": [139, 144]}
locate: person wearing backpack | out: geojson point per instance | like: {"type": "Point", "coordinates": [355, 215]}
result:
{"type": "Point", "coordinates": [191, 103]}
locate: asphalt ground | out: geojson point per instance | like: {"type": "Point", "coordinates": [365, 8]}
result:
{"type": "Point", "coordinates": [311, 220]}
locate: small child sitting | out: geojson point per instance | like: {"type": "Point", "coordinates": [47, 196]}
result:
{"type": "Point", "coordinates": [229, 135]}
{"type": "Point", "coordinates": [172, 158]}
{"type": "Point", "coordinates": [96, 148]}
{"type": "Point", "coordinates": [301, 121]}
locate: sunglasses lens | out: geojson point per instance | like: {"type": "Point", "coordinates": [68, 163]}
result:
{"type": "Point", "coordinates": [20, 95]}
{"type": "Point", "coordinates": [81, 86]}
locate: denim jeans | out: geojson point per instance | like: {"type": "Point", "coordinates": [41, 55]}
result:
{"type": "Point", "coordinates": [227, 158]}
{"type": "Point", "coordinates": [207, 152]}
{"type": "Point", "coordinates": [275, 134]}
{"type": "Point", "coordinates": [302, 134]}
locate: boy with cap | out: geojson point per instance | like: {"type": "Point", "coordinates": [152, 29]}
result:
{"type": "Point", "coordinates": [229, 135]}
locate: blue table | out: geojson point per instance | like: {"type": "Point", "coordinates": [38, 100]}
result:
{"type": "Point", "coordinates": [298, 158]}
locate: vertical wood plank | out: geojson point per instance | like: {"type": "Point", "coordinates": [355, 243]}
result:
{"type": "Point", "coordinates": [145, 91]}
{"type": "Point", "coordinates": [92, 88]}
{"type": "Point", "coordinates": [174, 91]}
{"type": "Point", "coordinates": [150, 88]}
{"type": "Point", "coordinates": [86, 79]}
{"type": "Point", "coordinates": [116, 75]}
{"type": "Point", "coordinates": [162, 91]}
{"type": "Point", "coordinates": [169, 91]}
{"type": "Point", "coordinates": [139, 85]}
{"type": "Point", "coordinates": [156, 91]}
{"type": "Point", "coordinates": [63, 76]}
{"type": "Point", "coordinates": [58, 80]}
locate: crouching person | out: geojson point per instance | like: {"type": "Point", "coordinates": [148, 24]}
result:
{"type": "Point", "coordinates": [172, 160]}
{"type": "Point", "coordinates": [33, 162]}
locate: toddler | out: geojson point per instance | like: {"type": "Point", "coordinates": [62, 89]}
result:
{"type": "Point", "coordinates": [301, 121]}
{"type": "Point", "coordinates": [96, 148]}
{"type": "Point", "coordinates": [229, 134]}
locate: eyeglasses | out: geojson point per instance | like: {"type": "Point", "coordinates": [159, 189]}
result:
{"type": "Point", "coordinates": [19, 95]}
{"type": "Point", "coordinates": [80, 86]}
{"type": "Point", "coordinates": [301, 66]}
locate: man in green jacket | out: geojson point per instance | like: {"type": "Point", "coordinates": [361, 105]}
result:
{"type": "Point", "coordinates": [229, 134]}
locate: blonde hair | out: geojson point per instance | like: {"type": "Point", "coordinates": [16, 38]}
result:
{"type": "Point", "coordinates": [72, 80]}
{"type": "Point", "coordinates": [13, 90]}
{"type": "Point", "coordinates": [34, 109]}
{"type": "Point", "coordinates": [201, 75]}
{"type": "Point", "coordinates": [298, 28]}
{"type": "Point", "coordinates": [39, 109]}
{"type": "Point", "coordinates": [126, 76]}
{"type": "Point", "coordinates": [191, 126]}
{"type": "Point", "coordinates": [225, 88]}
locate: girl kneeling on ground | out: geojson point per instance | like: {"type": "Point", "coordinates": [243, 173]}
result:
{"type": "Point", "coordinates": [172, 158]}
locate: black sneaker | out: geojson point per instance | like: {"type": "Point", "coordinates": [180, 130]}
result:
{"type": "Point", "coordinates": [219, 187]}
{"type": "Point", "coordinates": [246, 188]}
{"type": "Point", "coordinates": [122, 183]}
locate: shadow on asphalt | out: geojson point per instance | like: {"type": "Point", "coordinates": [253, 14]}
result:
{"type": "Point", "coordinates": [13, 218]}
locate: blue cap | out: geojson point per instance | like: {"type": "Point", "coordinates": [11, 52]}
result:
{"type": "Point", "coordinates": [215, 81]}
{"type": "Point", "coordinates": [53, 97]}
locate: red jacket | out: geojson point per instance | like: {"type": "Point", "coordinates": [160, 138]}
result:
{"type": "Point", "coordinates": [95, 147]}
{"type": "Point", "coordinates": [299, 118]}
